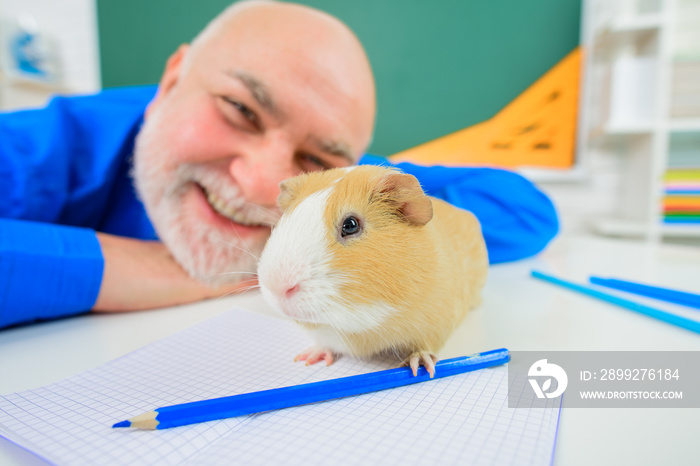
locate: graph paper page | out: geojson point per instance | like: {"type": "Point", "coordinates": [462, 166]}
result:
{"type": "Point", "coordinates": [462, 419]}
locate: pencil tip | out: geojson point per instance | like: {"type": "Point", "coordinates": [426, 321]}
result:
{"type": "Point", "coordinates": [122, 424]}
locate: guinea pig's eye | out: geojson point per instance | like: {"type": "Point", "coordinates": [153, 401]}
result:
{"type": "Point", "coordinates": [350, 226]}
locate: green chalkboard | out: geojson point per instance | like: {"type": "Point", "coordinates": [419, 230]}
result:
{"type": "Point", "coordinates": [440, 66]}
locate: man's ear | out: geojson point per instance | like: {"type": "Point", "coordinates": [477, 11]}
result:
{"type": "Point", "coordinates": [170, 76]}
{"type": "Point", "coordinates": [405, 192]}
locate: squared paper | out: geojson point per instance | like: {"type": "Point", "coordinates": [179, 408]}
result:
{"type": "Point", "coordinates": [463, 419]}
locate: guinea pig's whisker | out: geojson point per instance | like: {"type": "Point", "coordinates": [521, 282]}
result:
{"type": "Point", "coordinates": [273, 213]}
{"type": "Point", "coordinates": [341, 335]}
{"type": "Point", "coordinates": [241, 290]}
{"type": "Point", "coordinates": [395, 351]}
{"type": "Point", "coordinates": [230, 273]}
{"type": "Point", "coordinates": [248, 288]}
{"type": "Point", "coordinates": [347, 305]}
{"type": "Point", "coordinates": [247, 251]}
{"type": "Point", "coordinates": [384, 335]}
{"type": "Point", "coordinates": [238, 273]}
{"type": "Point", "coordinates": [253, 275]}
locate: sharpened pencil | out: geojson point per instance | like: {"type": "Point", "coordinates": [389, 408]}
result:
{"type": "Point", "coordinates": [285, 397]}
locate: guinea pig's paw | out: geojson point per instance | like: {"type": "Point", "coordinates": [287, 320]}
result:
{"type": "Point", "coordinates": [314, 354]}
{"type": "Point", "coordinates": [426, 358]}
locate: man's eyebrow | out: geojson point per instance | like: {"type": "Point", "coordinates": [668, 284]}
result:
{"type": "Point", "coordinates": [258, 90]}
{"type": "Point", "coordinates": [336, 148]}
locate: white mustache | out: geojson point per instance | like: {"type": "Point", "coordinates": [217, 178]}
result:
{"type": "Point", "coordinates": [225, 196]}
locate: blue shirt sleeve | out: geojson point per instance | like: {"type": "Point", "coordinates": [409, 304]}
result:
{"type": "Point", "coordinates": [517, 219]}
{"type": "Point", "coordinates": [64, 176]}
{"type": "Point", "coordinates": [47, 271]}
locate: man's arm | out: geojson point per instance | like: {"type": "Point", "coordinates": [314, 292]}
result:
{"type": "Point", "coordinates": [50, 271]}
{"type": "Point", "coordinates": [143, 275]}
{"type": "Point", "coordinates": [517, 219]}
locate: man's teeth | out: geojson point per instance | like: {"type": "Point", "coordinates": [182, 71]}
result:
{"type": "Point", "coordinates": [220, 206]}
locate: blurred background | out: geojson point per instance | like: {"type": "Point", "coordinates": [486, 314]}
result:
{"type": "Point", "coordinates": [633, 165]}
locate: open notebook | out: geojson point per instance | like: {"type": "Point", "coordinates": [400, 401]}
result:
{"type": "Point", "coordinates": [462, 419]}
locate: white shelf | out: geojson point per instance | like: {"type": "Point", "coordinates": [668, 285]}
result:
{"type": "Point", "coordinates": [19, 92]}
{"type": "Point", "coordinates": [678, 230]}
{"type": "Point", "coordinates": [628, 29]}
{"type": "Point", "coordinates": [645, 22]}
{"type": "Point", "coordinates": [689, 124]}
{"type": "Point", "coordinates": [629, 128]}
{"type": "Point", "coordinates": [540, 175]}
{"type": "Point", "coordinates": [632, 228]}
{"type": "Point", "coordinates": [628, 93]}
{"type": "Point", "coordinates": [620, 227]}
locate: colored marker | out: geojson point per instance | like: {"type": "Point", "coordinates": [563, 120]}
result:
{"type": "Point", "coordinates": [688, 324]}
{"type": "Point", "coordinates": [285, 397]}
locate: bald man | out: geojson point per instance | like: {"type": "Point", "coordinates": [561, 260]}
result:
{"type": "Point", "coordinates": [131, 200]}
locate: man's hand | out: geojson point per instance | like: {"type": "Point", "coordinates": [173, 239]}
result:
{"type": "Point", "coordinates": [143, 275]}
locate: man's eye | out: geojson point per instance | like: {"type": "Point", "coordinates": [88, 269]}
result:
{"type": "Point", "coordinates": [310, 163]}
{"type": "Point", "coordinates": [247, 113]}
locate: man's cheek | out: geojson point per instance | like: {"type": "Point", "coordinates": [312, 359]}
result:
{"type": "Point", "coordinates": [202, 139]}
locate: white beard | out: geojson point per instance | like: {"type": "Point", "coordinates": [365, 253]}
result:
{"type": "Point", "coordinates": [206, 253]}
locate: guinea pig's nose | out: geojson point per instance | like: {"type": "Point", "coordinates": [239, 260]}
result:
{"type": "Point", "coordinates": [291, 291]}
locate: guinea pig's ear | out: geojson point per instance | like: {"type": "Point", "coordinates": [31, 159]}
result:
{"type": "Point", "coordinates": [287, 193]}
{"type": "Point", "coordinates": [405, 191]}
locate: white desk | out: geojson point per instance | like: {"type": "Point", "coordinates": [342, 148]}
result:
{"type": "Point", "coordinates": [519, 313]}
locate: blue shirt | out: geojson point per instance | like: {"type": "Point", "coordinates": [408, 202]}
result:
{"type": "Point", "coordinates": [64, 174]}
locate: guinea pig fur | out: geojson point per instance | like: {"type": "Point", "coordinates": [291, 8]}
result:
{"type": "Point", "coordinates": [367, 263]}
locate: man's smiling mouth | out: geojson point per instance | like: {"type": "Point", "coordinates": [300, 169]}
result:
{"type": "Point", "coordinates": [231, 213]}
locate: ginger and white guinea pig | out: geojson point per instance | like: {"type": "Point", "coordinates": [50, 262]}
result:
{"type": "Point", "coordinates": [367, 263]}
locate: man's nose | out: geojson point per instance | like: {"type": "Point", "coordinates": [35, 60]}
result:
{"type": "Point", "coordinates": [259, 169]}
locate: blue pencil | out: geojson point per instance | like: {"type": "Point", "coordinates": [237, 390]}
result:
{"type": "Point", "coordinates": [688, 324]}
{"type": "Point", "coordinates": [285, 397]}
{"type": "Point", "coordinates": [656, 292]}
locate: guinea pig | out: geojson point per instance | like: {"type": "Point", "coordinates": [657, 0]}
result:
{"type": "Point", "coordinates": [367, 263]}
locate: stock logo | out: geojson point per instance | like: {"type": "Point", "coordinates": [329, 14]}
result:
{"type": "Point", "coordinates": [541, 369]}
